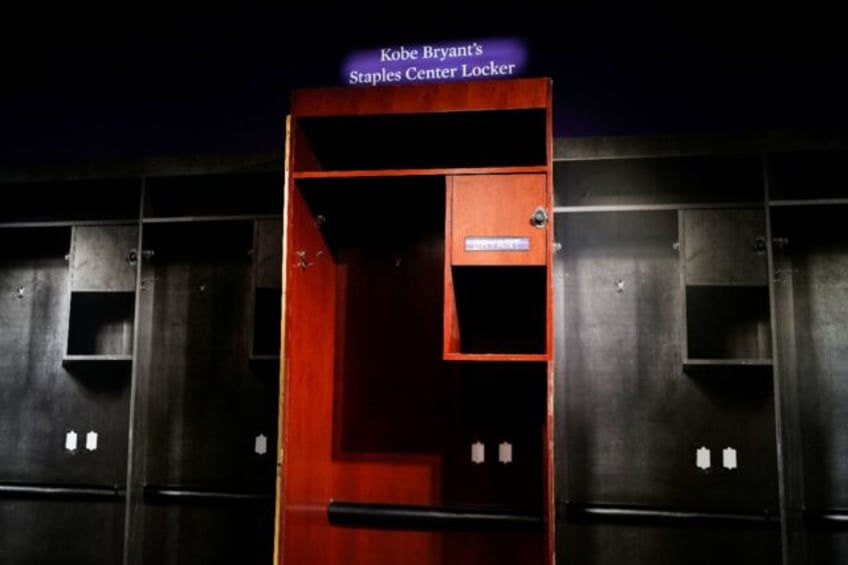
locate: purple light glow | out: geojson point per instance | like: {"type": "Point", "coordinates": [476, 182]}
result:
{"type": "Point", "coordinates": [436, 62]}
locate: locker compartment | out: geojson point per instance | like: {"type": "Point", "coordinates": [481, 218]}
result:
{"type": "Point", "coordinates": [97, 437]}
{"type": "Point", "coordinates": [404, 441]}
{"type": "Point", "coordinates": [41, 399]}
{"type": "Point", "coordinates": [203, 405]}
{"type": "Point", "coordinates": [631, 418]}
{"type": "Point", "coordinates": [811, 259]}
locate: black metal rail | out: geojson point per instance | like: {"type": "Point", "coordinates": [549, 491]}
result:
{"type": "Point", "coordinates": [428, 518]}
{"type": "Point", "coordinates": [666, 516]}
{"type": "Point", "coordinates": [827, 518]}
{"type": "Point", "coordinates": [165, 494]}
{"type": "Point", "coordinates": [81, 493]}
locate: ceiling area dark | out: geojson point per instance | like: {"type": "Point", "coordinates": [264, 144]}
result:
{"type": "Point", "coordinates": [86, 83]}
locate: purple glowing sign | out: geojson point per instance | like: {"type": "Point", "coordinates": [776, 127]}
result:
{"type": "Point", "coordinates": [431, 62]}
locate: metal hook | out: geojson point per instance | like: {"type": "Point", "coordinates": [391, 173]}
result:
{"type": "Point", "coordinates": [301, 260]}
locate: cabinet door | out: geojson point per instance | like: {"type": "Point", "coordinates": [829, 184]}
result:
{"type": "Point", "coordinates": [491, 219]}
{"type": "Point", "coordinates": [101, 258]}
{"type": "Point", "coordinates": [725, 247]}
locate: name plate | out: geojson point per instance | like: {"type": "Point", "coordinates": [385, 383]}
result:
{"type": "Point", "coordinates": [497, 244]}
{"type": "Point", "coordinates": [436, 62]}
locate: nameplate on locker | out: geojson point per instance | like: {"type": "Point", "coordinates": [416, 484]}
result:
{"type": "Point", "coordinates": [497, 244]}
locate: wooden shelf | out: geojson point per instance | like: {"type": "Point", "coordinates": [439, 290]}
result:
{"type": "Point", "coordinates": [496, 357]}
{"type": "Point", "coordinates": [417, 172]}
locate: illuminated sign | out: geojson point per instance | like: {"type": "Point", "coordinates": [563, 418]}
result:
{"type": "Point", "coordinates": [467, 60]}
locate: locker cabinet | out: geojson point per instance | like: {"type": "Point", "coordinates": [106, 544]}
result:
{"type": "Point", "coordinates": [417, 341]}
{"type": "Point", "coordinates": [696, 287]}
{"type": "Point", "coordinates": [664, 353]}
{"type": "Point", "coordinates": [139, 354]}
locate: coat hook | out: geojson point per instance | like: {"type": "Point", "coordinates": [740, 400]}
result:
{"type": "Point", "coordinates": [302, 262]}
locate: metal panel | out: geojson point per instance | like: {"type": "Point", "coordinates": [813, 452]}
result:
{"type": "Point", "coordinates": [632, 419]}
{"type": "Point", "coordinates": [725, 247]}
{"type": "Point", "coordinates": [103, 258]}
{"type": "Point", "coordinates": [205, 407]}
{"type": "Point", "coordinates": [40, 400]}
{"type": "Point", "coordinates": [812, 281]}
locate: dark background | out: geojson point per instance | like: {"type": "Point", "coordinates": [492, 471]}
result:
{"type": "Point", "coordinates": [91, 82]}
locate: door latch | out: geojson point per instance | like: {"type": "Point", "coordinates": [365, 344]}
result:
{"type": "Point", "coordinates": [539, 217]}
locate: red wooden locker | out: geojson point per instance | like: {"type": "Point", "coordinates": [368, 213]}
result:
{"type": "Point", "coordinates": [417, 326]}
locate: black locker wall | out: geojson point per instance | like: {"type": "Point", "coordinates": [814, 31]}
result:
{"type": "Point", "coordinates": [701, 303]}
{"type": "Point", "coordinates": [635, 399]}
{"type": "Point", "coordinates": [142, 306]}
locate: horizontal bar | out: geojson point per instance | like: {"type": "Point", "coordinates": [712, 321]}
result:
{"type": "Point", "coordinates": [216, 218]}
{"type": "Point", "coordinates": [827, 518]}
{"type": "Point", "coordinates": [59, 492]}
{"type": "Point", "coordinates": [180, 495]}
{"type": "Point", "coordinates": [730, 362]}
{"type": "Point", "coordinates": [98, 358]}
{"type": "Point", "coordinates": [134, 221]}
{"type": "Point", "coordinates": [658, 207]}
{"type": "Point", "coordinates": [810, 202]}
{"type": "Point", "coordinates": [428, 518]}
{"type": "Point", "coordinates": [68, 223]}
{"type": "Point", "coordinates": [435, 171]}
{"type": "Point", "coordinates": [650, 515]}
